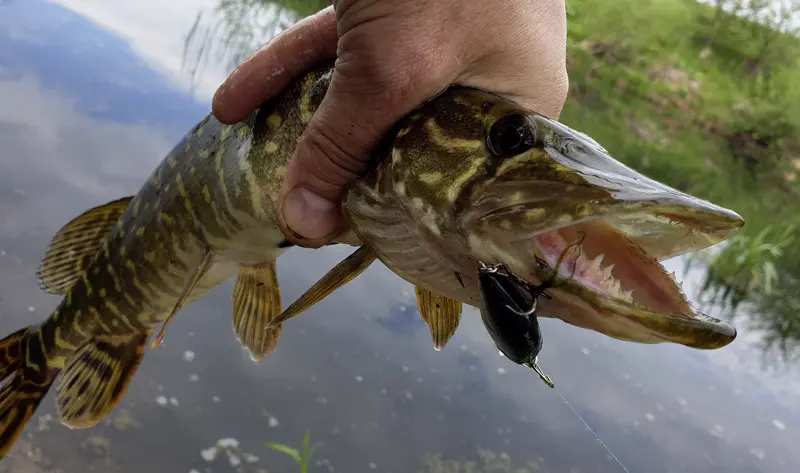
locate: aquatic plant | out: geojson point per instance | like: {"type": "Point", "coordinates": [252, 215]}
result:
{"type": "Point", "coordinates": [302, 457]}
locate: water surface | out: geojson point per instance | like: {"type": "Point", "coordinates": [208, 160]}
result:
{"type": "Point", "coordinates": [85, 116]}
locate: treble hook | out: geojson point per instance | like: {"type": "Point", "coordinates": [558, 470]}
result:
{"type": "Point", "coordinates": [535, 291]}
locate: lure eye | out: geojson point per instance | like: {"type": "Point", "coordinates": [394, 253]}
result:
{"type": "Point", "coordinates": [510, 135]}
{"type": "Point", "coordinates": [503, 306]}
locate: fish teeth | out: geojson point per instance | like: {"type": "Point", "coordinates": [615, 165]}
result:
{"type": "Point", "coordinates": [606, 272]}
{"type": "Point", "coordinates": [597, 263]}
{"type": "Point", "coordinates": [616, 287]}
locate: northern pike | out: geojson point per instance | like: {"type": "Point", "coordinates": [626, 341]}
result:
{"type": "Point", "coordinates": [466, 177]}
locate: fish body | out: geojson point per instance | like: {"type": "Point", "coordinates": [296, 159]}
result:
{"type": "Point", "coordinates": [206, 214]}
{"type": "Point", "coordinates": [466, 178]}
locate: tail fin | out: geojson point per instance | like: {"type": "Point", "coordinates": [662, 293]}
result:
{"type": "Point", "coordinates": [26, 379]}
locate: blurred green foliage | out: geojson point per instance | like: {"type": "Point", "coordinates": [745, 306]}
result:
{"type": "Point", "coordinates": [488, 462]}
{"type": "Point", "coordinates": [701, 96]}
{"type": "Point", "coordinates": [302, 457]}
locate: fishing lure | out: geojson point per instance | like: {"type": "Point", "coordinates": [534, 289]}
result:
{"type": "Point", "coordinates": [514, 330]}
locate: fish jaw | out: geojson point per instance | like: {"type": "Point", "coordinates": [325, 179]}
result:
{"type": "Point", "coordinates": [470, 177]}
{"type": "Point", "coordinates": [601, 228]}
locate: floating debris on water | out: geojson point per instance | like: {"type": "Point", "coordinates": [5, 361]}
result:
{"type": "Point", "coordinates": [372, 466]}
{"type": "Point", "coordinates": [97, 445]}
{"type": "Point", "coordinates": [209, 454]}
{"type": "Point", "coordinates": [683, 402]}
{"type": "Point", "coordinates": [650, 417]}
{"type": "Point", "coordinates": [31, 308]}
{"type": "Point", "coordinates": [585, 351]}
{"type": "Point", "coordinates": [779, 425]}
{"type": "Point", "coordinates": [359, 379]}
{"type": "Point", "coordinates": [501, 370]}
{"type": "Point", "coordinates": [194, 377]}
{"type": "Point", "coordinates": [273, 422]}
{"type": "Point", "coordinates": [230, 447]}
{"type": "Point", "coordinates": [162, 400]}
{"type": "Point", "coordinates": [409, 396]}
{"type": "Point", "coordinates": [123, 420]}
{"type": "Point", "coordinates": [44, 422]}
{"type": "Point", "coordinates": [188, 355]}
{"type": "Point", "coordinates": [216, 399]}
{"type": "Point", "coordinates": [173, 401]}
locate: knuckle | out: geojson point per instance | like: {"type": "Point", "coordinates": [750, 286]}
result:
{"type": "Point", "coordinates": [329, 165]}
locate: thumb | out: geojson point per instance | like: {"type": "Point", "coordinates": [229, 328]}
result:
{"type": "Point", "coordinates": [363, 101]}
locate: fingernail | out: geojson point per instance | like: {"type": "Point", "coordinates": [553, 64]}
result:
{"type": "Point", "coordinates": [309, 215]}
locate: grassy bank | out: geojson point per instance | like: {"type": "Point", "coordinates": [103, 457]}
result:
{"type": "Point", "coordinates": [688, 93]}
{"type": "Point", "coordinates": [665, 86]}
{"type": "Point", "coordinates": [707, 102]}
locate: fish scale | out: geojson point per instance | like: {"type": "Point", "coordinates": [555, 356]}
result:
{"type": "Point", "coordinates": [467, 177]}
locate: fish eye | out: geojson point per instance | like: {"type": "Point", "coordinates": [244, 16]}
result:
{"type": "Point", "coordinates": [510, 135]}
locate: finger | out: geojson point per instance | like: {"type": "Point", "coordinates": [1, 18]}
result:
{"type": "Point", "coordinates": [364, 100]}
{"type": "Point", "coordinates": [270, 69]}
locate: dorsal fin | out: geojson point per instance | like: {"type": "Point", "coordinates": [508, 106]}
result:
{"type": "Point", "coordinates": [74, 245]}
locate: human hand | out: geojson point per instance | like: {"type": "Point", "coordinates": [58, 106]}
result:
{"type": "Point", "coordinates": [392, 56]}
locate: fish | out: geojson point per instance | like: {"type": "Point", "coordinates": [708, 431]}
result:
{"type": "Point", "coordinates": [471, 179]}
{"type": "Point", "coordinates": [466, 176]}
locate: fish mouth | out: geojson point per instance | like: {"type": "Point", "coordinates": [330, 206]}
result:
{"type": "Point", "coordinates": [600, 279]}
{"type": "Point", "coordinates": [602, 229]}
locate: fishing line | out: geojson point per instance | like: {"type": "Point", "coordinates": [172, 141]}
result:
{"type": "Point", "coordinates": [592, 431]}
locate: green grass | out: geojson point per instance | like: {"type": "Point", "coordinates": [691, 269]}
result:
{"type": "Point", "coordinates": [664, 128]}
{"type": "Point", "coordinates": [676, 130]}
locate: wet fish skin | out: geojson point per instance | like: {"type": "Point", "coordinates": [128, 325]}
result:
{"type": "Point", "coordinates": [470, 178]}
{"type": "Point", "coordinates": [205, 214]}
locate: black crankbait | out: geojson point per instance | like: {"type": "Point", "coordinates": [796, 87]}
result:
{"type": "Point", "coordinates": [514, 329]}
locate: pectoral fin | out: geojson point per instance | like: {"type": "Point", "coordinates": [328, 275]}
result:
{"type": "Point", "coordinates": [196, 276]}
{"type": "Point", "coordinates": [74, 245]}
{"type": "Point", "coordinates": [338, 276]}
{"type": "Point", "coordinates": [96, 377]}
{"type": "Point", "coordinates": [256, 301]}
{"type": "Point", "coordinates": [440, 313]}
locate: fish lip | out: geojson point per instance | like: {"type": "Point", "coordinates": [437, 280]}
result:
{"type": "Point", "coordinates": [582, 183]}
{"type": "Point", "coordinates": [583, 306]}
{"type": "Point", "coordinates": [628, 321]}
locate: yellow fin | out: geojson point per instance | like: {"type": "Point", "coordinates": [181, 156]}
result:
{"type": "Point", "coordinates": [256, 301]}
{"type": "Point", "coordinates": [196, 276]}
{"type": "Point", "coordinates": [74, 245]}
{"type": "Point", "coordinates": [440, 313]}
{"type": "Point", "coordinates": [338, 276]}
{"type": "Point", "coordinates": [24, 382]}
{"type": "Point", "coordinates": [96, 377]}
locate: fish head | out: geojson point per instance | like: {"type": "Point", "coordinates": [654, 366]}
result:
{"type": "Point", "coordinates": [489, 181]}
